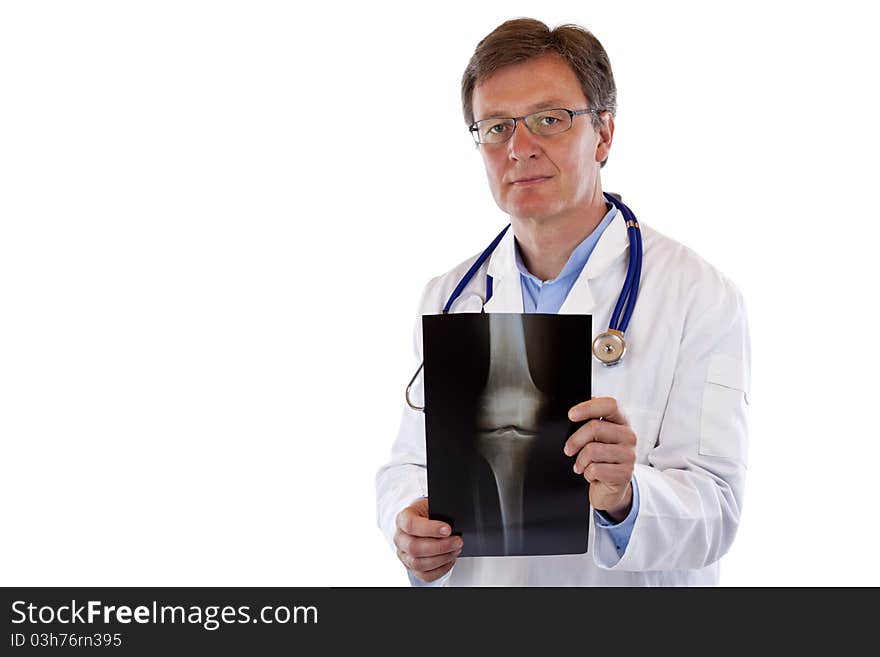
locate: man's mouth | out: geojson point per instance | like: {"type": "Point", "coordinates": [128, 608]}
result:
{"type": "Point", "coordinates": [533, 180]}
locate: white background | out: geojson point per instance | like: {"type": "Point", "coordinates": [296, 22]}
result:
{"type": "Point", "coordinates": [216, 219]}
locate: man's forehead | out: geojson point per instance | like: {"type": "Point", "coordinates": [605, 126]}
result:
{"type": "Point", "coordinates": [509, 110]}
{"type": "Point", "coordinates": [541, 83]}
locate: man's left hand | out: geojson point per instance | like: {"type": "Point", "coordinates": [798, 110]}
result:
{"type": "Point", "coordinates": [606, 454]}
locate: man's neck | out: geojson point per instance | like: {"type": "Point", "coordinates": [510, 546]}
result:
{"type": "Point", "coordinates": [546, 245]}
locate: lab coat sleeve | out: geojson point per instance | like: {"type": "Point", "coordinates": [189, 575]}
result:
{"type": "Point", "coordinates": [403, 480]}
{"type": "Point", "coordinates": [691, 489]}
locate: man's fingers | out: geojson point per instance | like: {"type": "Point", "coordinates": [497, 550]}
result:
{"type": "Point", "coordinates": [610, 474]}
{"type": "Point", "coordinates": [604, 407]}
{"type": "Point", "coordinates": [432, 575]}
{"type": "Point", "coordinates": [429, 568]}
{"type": "Point", "coordinates": [602, 453]}
{"type": "Point", "coordinates": [410, 522]}
{"type": "Point", "coordinates": [598, 431]}
{"type": "Point", "coordinates": [427, 547]}
{"type": "Point", "coordinates": [425, 564]}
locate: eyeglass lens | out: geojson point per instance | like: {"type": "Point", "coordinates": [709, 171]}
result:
{"type": "Point", "coordinates": [547, 122]}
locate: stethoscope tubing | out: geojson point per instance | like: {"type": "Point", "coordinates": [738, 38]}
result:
{"type": "Point", "coordinates": [630, 289]}
{"type": "Point", "coordinates": [473, 270]}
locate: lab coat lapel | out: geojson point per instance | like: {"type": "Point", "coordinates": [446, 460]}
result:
{"type": "Point", "coordinates": [614, 241]}
{"type": "Point", "coordinates": [506, 288]}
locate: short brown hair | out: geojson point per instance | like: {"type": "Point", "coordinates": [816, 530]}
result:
{"type": "Point", "coordinates": [521, 39]}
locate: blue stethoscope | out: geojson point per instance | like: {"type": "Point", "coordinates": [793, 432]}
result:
{"type": "Point", "coordinates": [609, 346]}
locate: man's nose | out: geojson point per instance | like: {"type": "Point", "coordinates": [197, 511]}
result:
{"type": "Point", "coordinates": [523, 144]}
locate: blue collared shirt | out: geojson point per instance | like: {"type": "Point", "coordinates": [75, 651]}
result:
{"type": "Point", "coordinates": [548, 296]}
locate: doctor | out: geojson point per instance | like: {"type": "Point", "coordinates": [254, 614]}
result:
{"type": "Point", "coordinates": [665, 452]}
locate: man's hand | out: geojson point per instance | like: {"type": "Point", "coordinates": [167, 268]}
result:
{"type": "Point", "coordinates": [425, 546]}
{"type": "Point", "coordinates": [606, 454]}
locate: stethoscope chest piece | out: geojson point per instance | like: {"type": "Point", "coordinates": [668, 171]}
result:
{"type": "Point", "coordinates": [609, 347]}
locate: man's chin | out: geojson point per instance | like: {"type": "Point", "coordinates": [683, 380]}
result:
{"type": "Point", "coordinates": [532, 214]}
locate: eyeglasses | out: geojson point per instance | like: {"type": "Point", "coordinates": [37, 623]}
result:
{"type": "Point", "coordinates": [546, 122]}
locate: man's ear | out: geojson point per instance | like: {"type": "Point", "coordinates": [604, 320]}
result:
{"type": "Point", "coordinates": [606, 135]}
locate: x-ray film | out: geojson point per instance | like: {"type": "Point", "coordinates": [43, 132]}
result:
{"type": "Point", "coordinates": [498, 388]}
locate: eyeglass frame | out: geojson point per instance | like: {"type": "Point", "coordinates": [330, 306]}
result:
{"type": "Point", "coordinates": [571, 113]}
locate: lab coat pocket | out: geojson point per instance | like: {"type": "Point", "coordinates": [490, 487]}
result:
{"type": "Point", "coordinates": [723, 419]}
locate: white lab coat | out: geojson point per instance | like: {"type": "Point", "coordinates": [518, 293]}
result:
{"type": "Point", "coordinates": [683, 384]}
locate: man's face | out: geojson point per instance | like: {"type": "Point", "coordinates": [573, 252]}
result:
{"type": "Point", "coordinates": [534, 177]}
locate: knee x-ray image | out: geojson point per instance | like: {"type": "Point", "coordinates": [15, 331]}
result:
{"type": "Point", "coordinates": [498, 388]}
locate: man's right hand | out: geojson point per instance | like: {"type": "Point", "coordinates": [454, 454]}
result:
{"type": "Point", "coordinates": [425, 546]}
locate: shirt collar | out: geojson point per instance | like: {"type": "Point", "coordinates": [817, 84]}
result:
{"type": "Point", "coordinates": [578, 258]}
